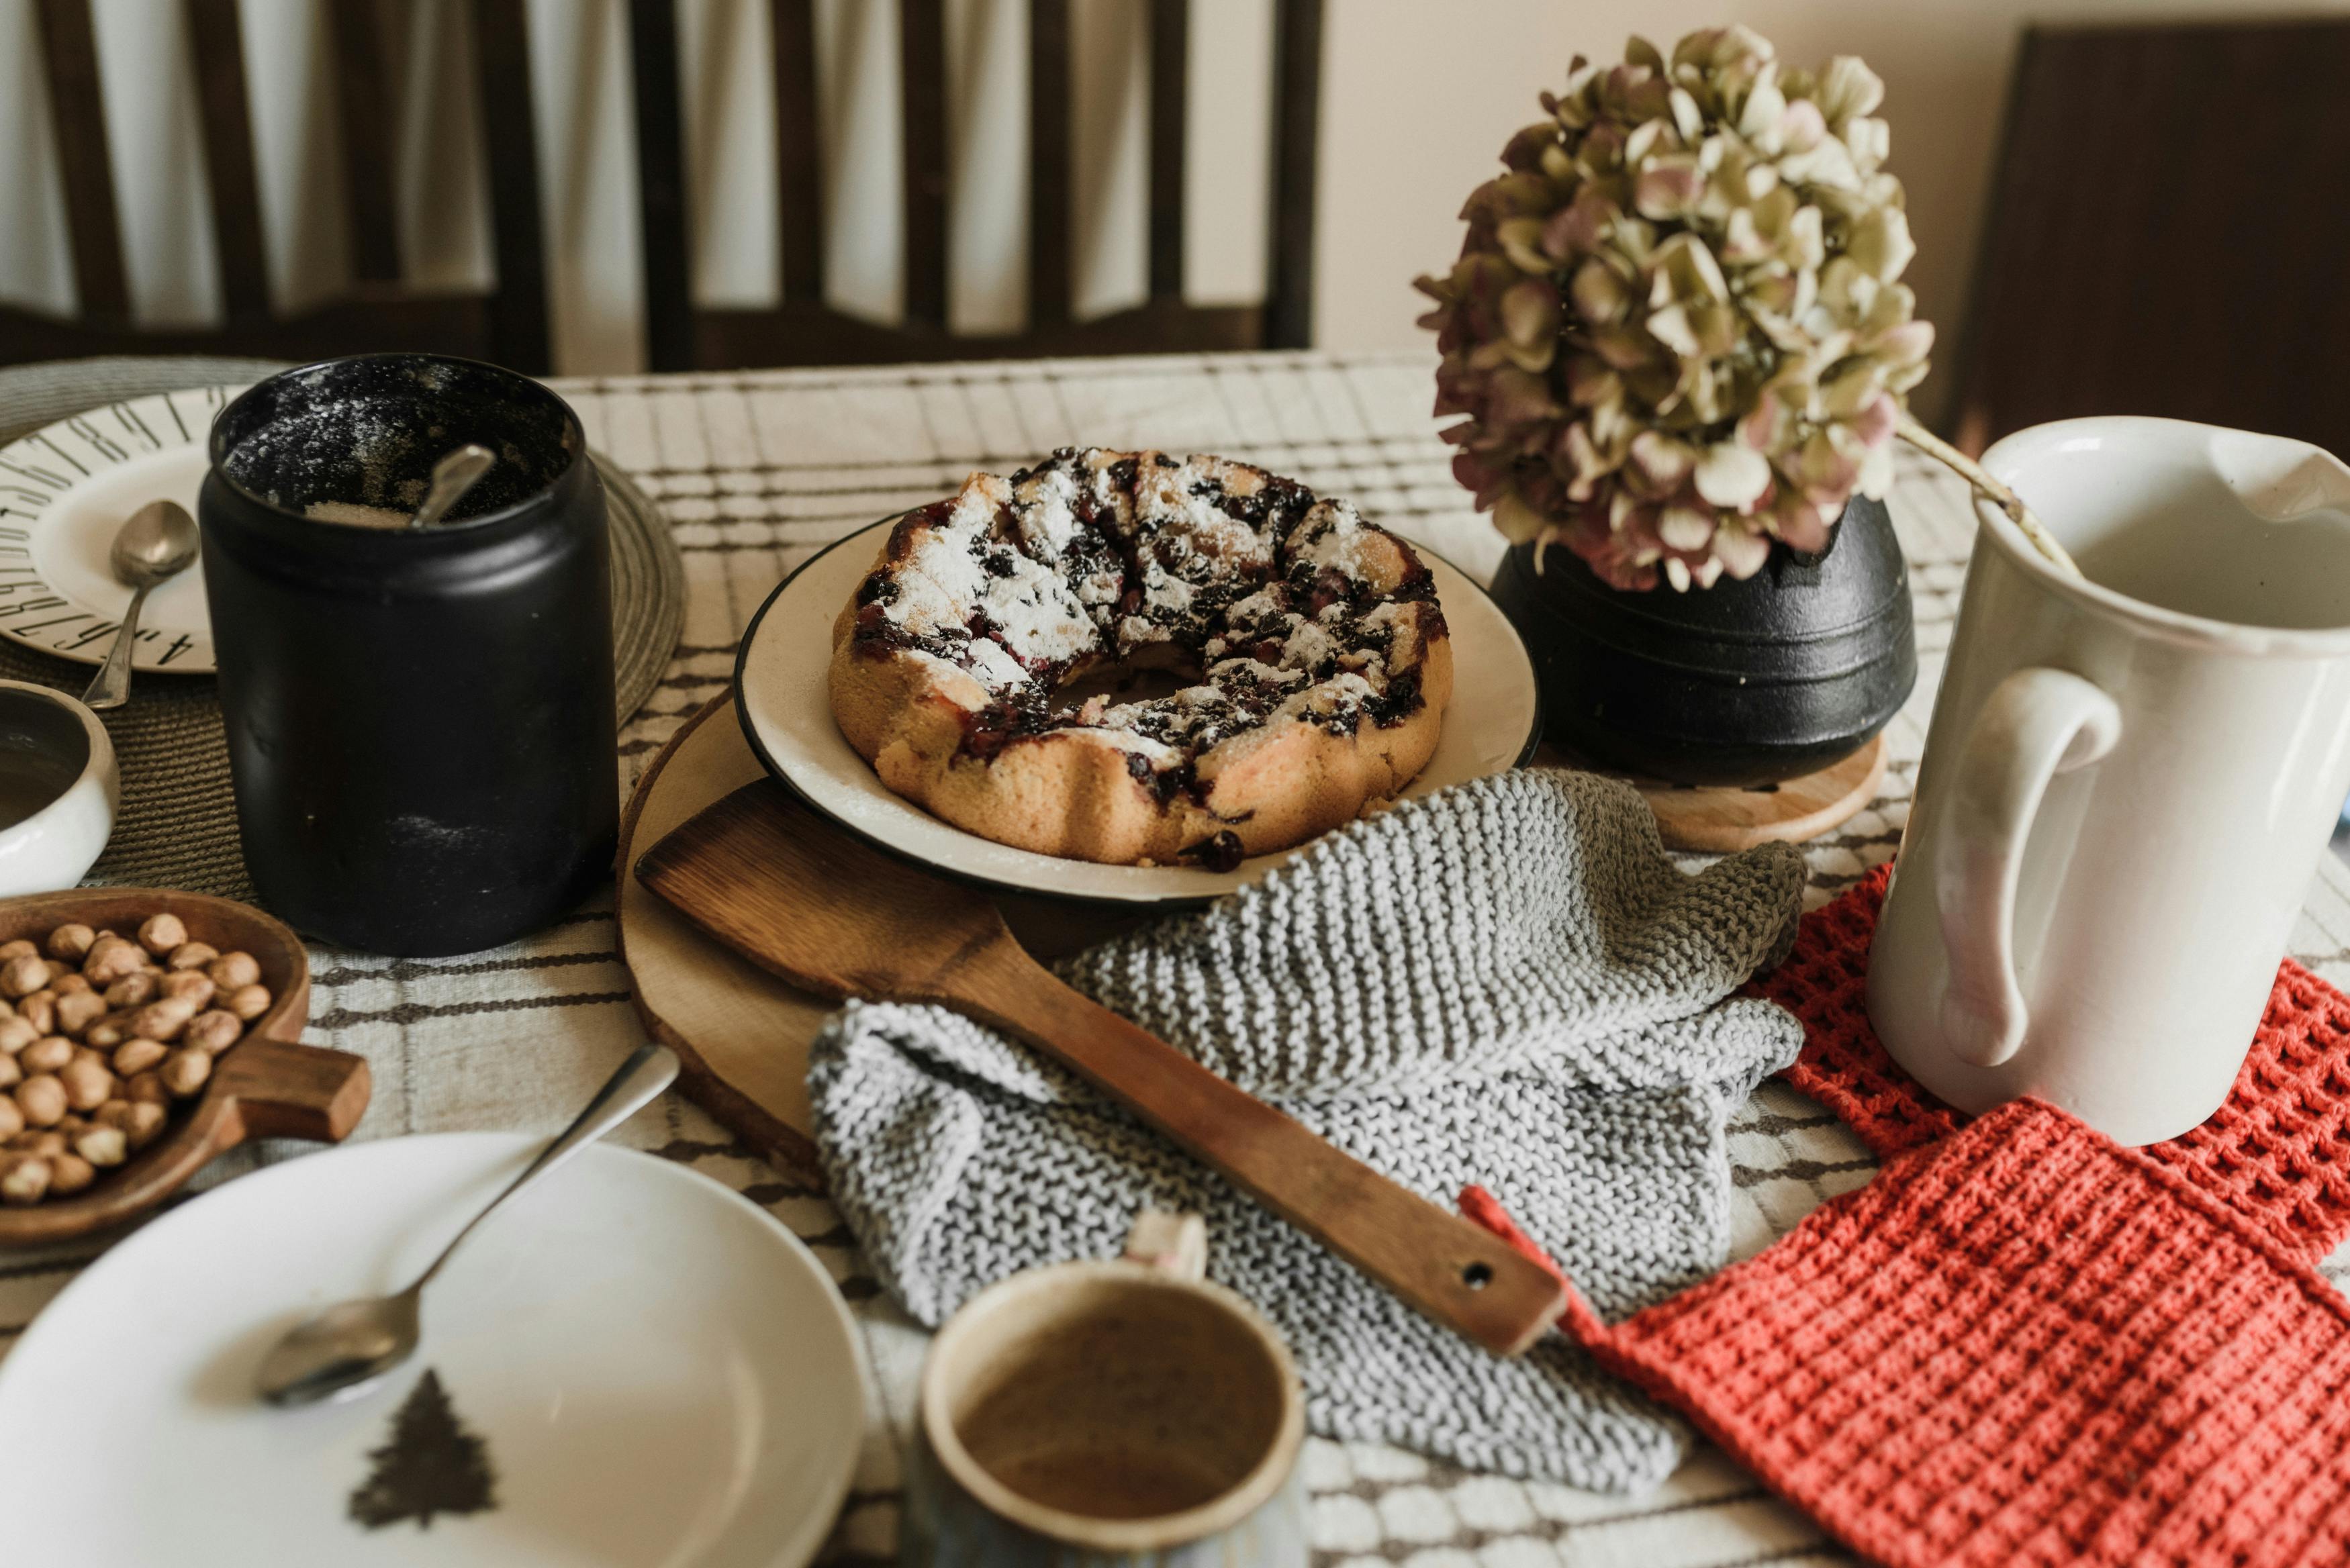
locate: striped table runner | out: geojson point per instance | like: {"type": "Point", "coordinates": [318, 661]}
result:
{"type": "Point", "coordinates": [758, 471]}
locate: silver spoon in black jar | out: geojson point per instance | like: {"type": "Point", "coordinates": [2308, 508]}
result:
{"type": "Point", "coordinates": [156, 543]}
{"type": "Point", "coordinates": [452, 476]}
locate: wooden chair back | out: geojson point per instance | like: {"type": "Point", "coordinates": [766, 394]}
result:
{"type": "Point", "coordinates": [508, 324]}
{"type": "Point", "coordinates": [803, 329]}
{"type": "Point", "coordinates": [2167, 232]}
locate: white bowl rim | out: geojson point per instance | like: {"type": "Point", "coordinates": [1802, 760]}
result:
{"type": "Point", "coordinates": [97, 764]}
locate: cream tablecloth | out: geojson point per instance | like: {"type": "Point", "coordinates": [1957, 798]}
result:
{"type": "Point", "coordinates": [758, 471]}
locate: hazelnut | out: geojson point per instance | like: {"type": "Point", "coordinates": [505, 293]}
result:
{"type": "Point", "coordinates": [213, 1032]}
{"type": "Point", "coordinates": [191, 986]}
{"type": "Point", "coordinates": [184, 1072]}
{"type": "Point", "coordinates": [79, 1011]}
{"type": "Point", "coordinates": [70, 1173]}
{"type": "Point", "coordinates": [192, 955]}
{"type": "Point", "coordinates": [103, 1145]}
{"type": "Point", "coordinates": [43, 1099]}
{"type": "Point", "coordinates": [162, 933]}
{"type": "Point", "coordinates": [135, 1056]}
{"type": "Point", "coordinates": [161, 1019]}
{"type": "Point", "coordinates": [107, 1033]}
{"type": "Point", "coordinates": [65, 982]}
{"type": "Point", "coordinates": [70, 943]}
{"type": "Point", "coordinates": [20, 948]}
{"type": "Point", "coordinates": [135, 990]}
{"type": "Point", "coordinates": [11, 1075]}
{"type": "Point", "coordinates": [37, 1140]}
{"type": "Point", "coordinates": [24, 1179]}
{"type": "Point", "coordinates": [247, 1002]}
{"type": "Point", "coordinates": [137, 1119]}
{"type": "Point", "coordinates": [15, 1033]}
{"type": "Point", "coordinates": [12, 1120]}
{"type": "Point", "coordinates": [23, 975]}
{"type": "Point", "coordinates": [40, 1010]}
{"type": "Point", "coordinates": [233, 971]}
{"type": "Point", "coordinates": [146, 1087]}
{"type": "Point", "coordinates": [46, 1054]}
{"type": "Point", "coordinates": [88, 1083]}
{"type": "Point", "coordinates": [111, 958]}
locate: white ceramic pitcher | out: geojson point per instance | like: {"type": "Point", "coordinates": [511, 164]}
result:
{"type": "Point", "coordinates": [2129, 776]}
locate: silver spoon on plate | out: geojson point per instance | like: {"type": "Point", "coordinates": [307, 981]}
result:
{"type": "Point", "coordinates": [156, 543]}
{"type": "Point", "coordinates": [345, 1347]}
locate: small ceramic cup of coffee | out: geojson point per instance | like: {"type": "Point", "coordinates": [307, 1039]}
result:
{"type": "Point", "coordinates": [1123, 1411]}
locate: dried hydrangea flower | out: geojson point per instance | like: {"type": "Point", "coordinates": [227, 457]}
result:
{"type": "Point", "coordinates": [1677, 326]}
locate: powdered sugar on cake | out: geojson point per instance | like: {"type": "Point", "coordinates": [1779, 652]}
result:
{"type": "Point", "coordinates": [998, 612]}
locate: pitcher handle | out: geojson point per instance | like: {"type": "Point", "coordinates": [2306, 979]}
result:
{"type": "Point", "coordinates": [2038, 723]}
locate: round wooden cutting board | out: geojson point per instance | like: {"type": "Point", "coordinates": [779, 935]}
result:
{"type": "Point", "coordinates": [741, 1035]}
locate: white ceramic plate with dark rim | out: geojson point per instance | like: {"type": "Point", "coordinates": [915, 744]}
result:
{"type": "Point", "coordinates": [782, 693]}
{"type": "Point", "coordinates": [66, 491]}
{"type": "Point", "coordinates": [656, 1372]}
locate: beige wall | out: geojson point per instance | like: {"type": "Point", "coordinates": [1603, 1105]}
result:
{"type": "Point", "coordinates": [1419, 96]}
{"type": "Point", "coordinates": [1425, 94]}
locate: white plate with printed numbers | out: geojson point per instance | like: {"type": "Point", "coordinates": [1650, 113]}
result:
{"type": "Point", "coordinates": [66, 491]}
{"type": "Point", "coordinates": [629, 1365]}
{"type": "Point", "coordinates": [782, 691]}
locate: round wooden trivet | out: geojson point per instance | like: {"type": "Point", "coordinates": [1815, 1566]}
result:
{"type": "Point", "coordinates": [1723, 821]}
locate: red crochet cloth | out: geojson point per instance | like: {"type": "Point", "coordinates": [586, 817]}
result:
{"type": "Point", "coordinates": [2022, 1344]}
{"type": "Point", "coordinates": [2278, 1151]}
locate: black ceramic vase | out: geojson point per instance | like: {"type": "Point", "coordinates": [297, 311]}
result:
{"type": "Point", "coordinates": [419, 721]}
{"type": "Point", "coordinates": [1742, 683]}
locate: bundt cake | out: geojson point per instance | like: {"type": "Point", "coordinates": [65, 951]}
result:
{"type": "Point", "coordinates": [1308, 646]}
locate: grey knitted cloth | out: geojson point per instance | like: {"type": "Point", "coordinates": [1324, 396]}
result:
{"type": "Point", "coordinates": [1505, 983]}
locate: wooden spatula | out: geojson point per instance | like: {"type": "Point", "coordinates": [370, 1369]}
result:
{"type": "Point", "coordinates": [788, 890]}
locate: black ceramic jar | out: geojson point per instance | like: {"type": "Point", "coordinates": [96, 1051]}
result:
{"type": "Point", "coordinates": [1742, 683]}
{"type": "Point", "coordinates": [419, 721]}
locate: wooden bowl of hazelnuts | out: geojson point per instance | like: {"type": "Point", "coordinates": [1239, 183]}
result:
{"type": "Point", "coordinates": [142, 1033]}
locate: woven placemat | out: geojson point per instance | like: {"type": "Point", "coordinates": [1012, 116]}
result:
{"type": "Point", "coordinates": [177, 827]}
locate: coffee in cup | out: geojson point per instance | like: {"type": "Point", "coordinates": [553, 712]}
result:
{"type": "Point", "coordinates": [1125, 1409]}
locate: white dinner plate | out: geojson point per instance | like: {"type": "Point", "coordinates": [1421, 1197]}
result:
{"type": "Point", "coordinates": [65, 492]}
{"type": "Point", "coordinates": [783, 695]}
{"type": "Point", "coordinates": [656, 1372]}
